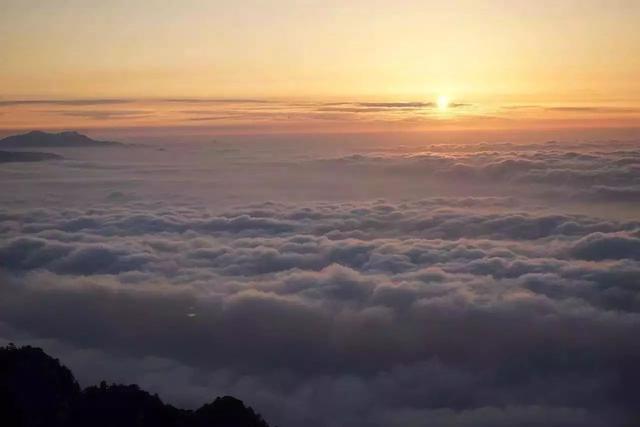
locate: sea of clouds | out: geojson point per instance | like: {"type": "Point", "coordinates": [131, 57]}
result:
{"type": "Point", "coordinates": [338, 284]}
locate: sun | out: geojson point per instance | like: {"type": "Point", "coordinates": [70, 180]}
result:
{"type": "Point", "coordinates": [443, 102]}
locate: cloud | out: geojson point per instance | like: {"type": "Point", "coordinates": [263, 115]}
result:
{"type": "Point", "coordinates": [396, 104]}
{"type": "Point", "coordinates": [574, 108]}
{"type": "Point", "coordinates": [598, 246]}
{"type": "Point", "coordinates": [379, 107]}
{"type": "Point", "coordinates": [35, 253]}
{"type": "Point", "coordinates": [211, 118]}
{"type": "Point", "coordinates": [510, 298]}
{"type": "Point", "coordinates": [362, 109]}
{"type": "Point", "coordinates": [593, 109]}
{"type": "Point", "coordinates": [70, 102]}
{"type": "Point", "coordinates": [549, 170]}
{"type": "Point", "coordinates": [103, 114]}
{"type": "Point", "coordinates": [629, 194]}
{"type": "Point", "coordinates": [218, 100]}
{"type": "Point", "coordinates": [359, 317]}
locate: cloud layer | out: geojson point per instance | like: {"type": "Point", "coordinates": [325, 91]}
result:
{"type": "Point", "coordinates": [452, 310]}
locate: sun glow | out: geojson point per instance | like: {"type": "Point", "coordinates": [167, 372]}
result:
{"type": "Point", "coordinates": [443, 102]}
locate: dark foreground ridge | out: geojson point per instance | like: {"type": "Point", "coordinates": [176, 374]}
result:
{"type": "Point", "coordinates": [36, 390]}
{"type": "Point", "coordinates": [38, 138]}
{"type": "Point", "coordinates": [26, 156]}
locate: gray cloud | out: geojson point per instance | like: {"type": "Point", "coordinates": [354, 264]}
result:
{"type": "Point", "coordinates": [249, 283]}
{"type": "Point", "coordinates": [482, 306]}
{"type": "Point", "coordinates": [587, 175]}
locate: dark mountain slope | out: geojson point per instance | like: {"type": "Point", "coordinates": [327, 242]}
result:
{"type": "Point", "coordinates": [26, 156]}
{"type": "Point", "coordinates": [37, 391]}
{"type": "Point", "coordinates": [45, 139]}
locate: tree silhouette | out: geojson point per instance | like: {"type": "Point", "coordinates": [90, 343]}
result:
{"type": "Point", "coordinates": [36, 390]}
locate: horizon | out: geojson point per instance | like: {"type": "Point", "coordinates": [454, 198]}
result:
{"type": "Point", "coordinates": [351, 68]}
{"type": "Point", "coordinates": [227, 117]}
{"type": "Point", "coordinates": [362, 213]}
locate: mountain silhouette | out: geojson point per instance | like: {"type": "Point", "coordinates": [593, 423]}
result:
{"type": "Point", "coordinates": [26, 156]}
{"type": "Point", "coordinates": [44, 139]}
{"type": "Point", "coordinates": [37, 391]}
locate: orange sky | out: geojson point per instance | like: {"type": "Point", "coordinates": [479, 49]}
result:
{"type": "Point", "coordinates": [287, 66]}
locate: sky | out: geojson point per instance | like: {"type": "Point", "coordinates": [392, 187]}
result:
{"type": "Point", "coordinates": [344, 213]}
{"type": "Point", "coordinates": [502, 65]}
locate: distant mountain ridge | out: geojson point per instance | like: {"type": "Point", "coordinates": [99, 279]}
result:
{"type": "Point", "coordinates": [26, 156]}
{"type": "Point", "coordinates": [37, 391]}
{"type": "Point", "coordinates": [38, 138]}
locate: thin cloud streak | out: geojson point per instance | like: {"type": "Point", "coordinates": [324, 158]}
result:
{"type": "Point", "coordinates": [71, 102]}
